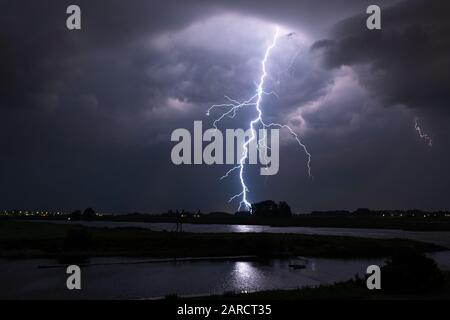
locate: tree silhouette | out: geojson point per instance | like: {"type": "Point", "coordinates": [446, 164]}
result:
{"type": "Point", "coordinates": [89, 214]}
{"type": "Point", "coordinates": [270, 208]}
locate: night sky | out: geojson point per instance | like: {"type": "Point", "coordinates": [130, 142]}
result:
{"type": "Point", "coordinates": [86, 116]}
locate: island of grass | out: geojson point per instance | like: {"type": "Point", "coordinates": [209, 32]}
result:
{"type": "Point", "coordinates": [21, 239]}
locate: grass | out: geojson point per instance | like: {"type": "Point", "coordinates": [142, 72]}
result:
{"type": "Point", "coordinates": [27, 239]}
{"type": "Point", "coordinates": [417, 223]}
{"type": "Point", "coordinates": [354, 289]}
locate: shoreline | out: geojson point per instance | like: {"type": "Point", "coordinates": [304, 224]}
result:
{"type": "Point", "coordinates": [68, 242]}
{"type": "Point", "coordinates": [430, 224]}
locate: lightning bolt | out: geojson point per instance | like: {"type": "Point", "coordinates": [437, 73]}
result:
{"type": "Point", "coordinates": [233, 106]}
{"type": "Point", "coordinates": [422, 135]}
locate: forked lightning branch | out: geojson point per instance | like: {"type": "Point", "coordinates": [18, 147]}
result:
{"type": "Point", "coordinates": [249, 142]}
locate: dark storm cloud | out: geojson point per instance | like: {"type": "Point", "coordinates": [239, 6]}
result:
{"type": "Point", "coordinates": [42, 54]}
{"type": "Point", "coordinates": [314, 17]}
{"type": "Point", "coordinates": [38, 52]}
{"type": "Point", "coordinates": [86, 116]}
{"type": "Point", "coordinates": [403, 63]}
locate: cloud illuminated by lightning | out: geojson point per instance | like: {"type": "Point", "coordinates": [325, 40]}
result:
{"type": "Point", "coordinates": [423, 135]}
{"type": "Point", "coordinates": [233, 106]}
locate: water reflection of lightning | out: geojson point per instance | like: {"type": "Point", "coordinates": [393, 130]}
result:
{"type": "Point", "coordinates": [233, 106]}
{"type": "Point", "coordinates": [423, 135]}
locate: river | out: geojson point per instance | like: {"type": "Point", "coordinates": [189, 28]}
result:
{"type": "Point", "coordinates": [126, 278]}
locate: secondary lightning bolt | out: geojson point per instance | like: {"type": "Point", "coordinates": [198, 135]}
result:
{"type": "Point", "coordinates": [255, 101]}
{"type": "Point", "coordinates": [423, 135]}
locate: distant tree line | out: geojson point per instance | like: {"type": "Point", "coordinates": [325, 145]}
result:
{"type": "Point", "coordinates": [271, 209]}
{"type": "Point", "coordinates": [365, 212]}
{"type": "Point", "coordinates": [87, 214]}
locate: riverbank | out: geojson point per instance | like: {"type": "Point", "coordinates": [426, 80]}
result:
{"type": "Point", "coordinates": [348, 290]}
{"type": "Point", "coordinates": [408, 223]}
{"type": "Point", "coordinates": [20, 239]}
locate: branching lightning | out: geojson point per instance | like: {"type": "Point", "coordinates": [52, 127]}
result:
{"type": "Point", "coordinates": [422, 135]}
{"type": "Point", "coordinates": [233, 106]}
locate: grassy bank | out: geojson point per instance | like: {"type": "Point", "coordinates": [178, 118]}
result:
{"type": "Point", "coordinates": [28, 239]}
{"type": "Point", "coordinates": [426, 282]}
{"type": "Point", "coordinates": [418, 223]}
{"type": "Point", "coordinates": [349, 290]}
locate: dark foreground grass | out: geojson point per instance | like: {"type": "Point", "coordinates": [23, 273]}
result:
{"type": "Point", "coordinates": [354, 289]}
{"type": "Point", "coordinates": [27, 239]}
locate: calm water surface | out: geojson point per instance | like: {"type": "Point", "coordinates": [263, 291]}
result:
{"type": "Point", "coordinates": [124, 278]}
{"type": "Point", "coordinates": [22, 279]}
